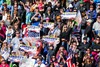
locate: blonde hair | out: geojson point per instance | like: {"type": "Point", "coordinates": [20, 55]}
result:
{"type": "Point", "coordinates": [63, 29]}
{"type": "Point", "coordinates": [8, 15]}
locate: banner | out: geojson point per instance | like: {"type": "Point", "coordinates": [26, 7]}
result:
{"type": "Point", "coordinates": [27, 63]}
{"type": "Point", "coordinates": [29, 49]}
{"type": "Point", "coordinates": [47, 39]}
{"type": "Point", "coordinates": [48, 25]}
{"type": "Point", "coordinates": [34, 31]}
{"type": "Point", "coordinates": [5, 55]}
{"type": "Point", "coordinates": [15, 58]}
{"type": "Point", "coordinates": [31, 41]}
{"type": "Point", "coordinates": [68, 15]}
{"type": "Point", "coordinates": [53, 41]}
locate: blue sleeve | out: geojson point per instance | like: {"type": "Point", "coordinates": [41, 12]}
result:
{"type": "Point", "coordinates": [94, 14]}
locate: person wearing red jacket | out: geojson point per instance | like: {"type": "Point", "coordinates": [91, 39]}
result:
{"type": "Point", "coordinates": [4, 64]}
{"type": "Point", "coordinates": [2, 31]}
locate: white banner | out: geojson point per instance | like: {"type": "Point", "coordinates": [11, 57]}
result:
{"type": "Point", "coordinates": [48, 25]}
{"type": "Point", "coordinates": [68, 15]}
{"type": "Point", "coordinates": [34, 31]}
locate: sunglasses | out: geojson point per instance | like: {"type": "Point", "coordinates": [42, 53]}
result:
{"type": "Point", "coordinates": [17, 33]}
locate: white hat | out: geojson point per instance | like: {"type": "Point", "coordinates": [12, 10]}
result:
{"type": "Point", "coordinates": [70, 6]}
{"type": "Point", "coordinates": [89, 20]}
{"type": "Point", "coordinates": [5, 41]}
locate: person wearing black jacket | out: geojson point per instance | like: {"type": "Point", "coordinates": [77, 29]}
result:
{"type": "Point", "coordinates": [96, 44]}
{"type": "Point", "coordinates": [88, 30]}
{"type": "Point", "coordinates": [65, 36]}
{"type": "Point", "coordinates": [43, 31]}
{"type": "Point", "coordinates": [83, 47]}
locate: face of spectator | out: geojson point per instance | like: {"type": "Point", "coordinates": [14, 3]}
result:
{"type": "Point", "coordinates": [4, 45]}
{"type": "Point", "coordinates": [74, 43]}
{"type": "Point", "coordinates": [70, 9]}
{"type": "Point", "coordinates": [84, 41]}
{"type": "Point", "coordinates": [17, 34]}
{"type": "Point", "coordinates": [58, 4]}
{"type": "Point", "coordinates": [15, 8]}
{"type": "Point", "coordinates": [98, 6]}
{"type": "Point", "coordinates": [61, 65]}
{"type": "Point", "coordinates": [76, 55]}
{"type": "Point", "coordinates": [47, 20]}
{"type": "Point", "coordinates": [91, 8]}
{"type": "Point", "coordinates": [16, 26]}
{"type": "Point", "coordinates": [51, 47]}
{"type": "Point", "coordinates": [41, 25]}
{"type": "Point", "coordinates": [8, 17]}
{"type": "Point", "coordinates": [81, 4]}
{"type": "Point", "coordinates": [98, 19]}
{"type": "Point", "coordinates": [61, 11]}
{"type": "Point", "coordinates": [74, 46]}
{"type": "Point", "coordinates": [27, 3]}
{"type": "Point", "coordinates": [53, 58]}
{"type": "Point", "coordinates": [97, 40]}
{"type": "Point", "coordinates": [37, 10]}
{"type": "Point", "coordinates": [88, 51]}
{"type": "Point", "coordinates": [88, 23]}
{"type": "Point", "coordinates": [49, 11]}
{"type": "Point", "coordinates": [37, 1]}
{"type": "Point", "coordinates": [61, 49]}
{"type": "Point", "coordinates": [65, 27]}
{"type": "Point", "coordinates": [2, 23]}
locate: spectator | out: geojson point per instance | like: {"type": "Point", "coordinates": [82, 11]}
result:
{"type": "Point", "coordinates": [39, 63]}
{"type": "Point", "coordinates": [92, 13]}
{"type": "Point", "coordinates": [50, 53]}
{"type": "Point", "coordinates": [15, 41]}
{"type": "Point", "coordinates": [4, 64]}
{"type": "Point", "coordinates": [96, 26]}
{"type": "Point", "coordinates": [88, 29]}
{"type": "Point", "coordinates": [81, 7]}
{"type": "Point", "coordinates": [84, 46]}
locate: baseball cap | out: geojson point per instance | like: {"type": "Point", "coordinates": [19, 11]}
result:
{"type": "Point", "coordinates": [89, 20]}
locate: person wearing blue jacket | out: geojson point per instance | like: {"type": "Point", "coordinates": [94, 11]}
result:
{"type": "Point", "coordinates": [96, 1]}
{"type": "Point", "coordinates": [92, 14]}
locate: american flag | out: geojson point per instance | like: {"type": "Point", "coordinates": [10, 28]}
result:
{"type": "Point", "coordinates": [69, 61]}
{"type": "Point", "coordinates": [33, 34]}
{"type": "Point", "coordinates": [78, 18]}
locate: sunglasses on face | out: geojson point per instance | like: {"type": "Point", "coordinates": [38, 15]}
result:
{"type": "Point", "coordinates": [17, 33]}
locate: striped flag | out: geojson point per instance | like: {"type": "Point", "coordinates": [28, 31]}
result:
{"type": "Point", "coordinates": [33, 34]}
{"type": "Point", "coordinates": [69, 61]}
{"type": "Point", "coordinates": [78, 18]}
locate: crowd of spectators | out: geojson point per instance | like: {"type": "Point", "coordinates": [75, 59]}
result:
{"type": "Point", "coordinates": [79, 42]}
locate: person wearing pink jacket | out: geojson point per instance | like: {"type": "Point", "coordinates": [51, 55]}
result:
{"type": "Point", "coordinates": [4, 64]}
